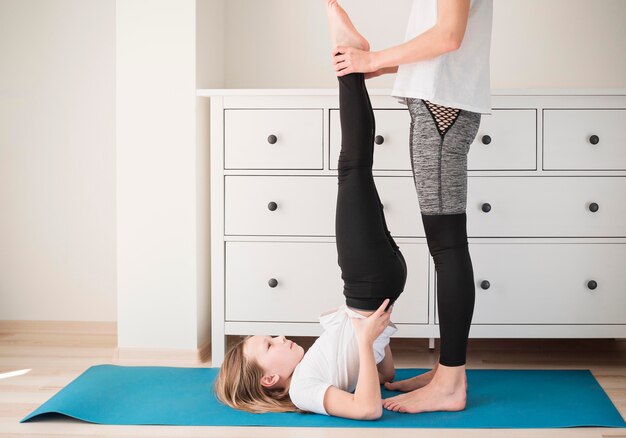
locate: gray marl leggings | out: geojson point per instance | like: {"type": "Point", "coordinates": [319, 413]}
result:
{"type": "Point", "coordinates": [440, 139]}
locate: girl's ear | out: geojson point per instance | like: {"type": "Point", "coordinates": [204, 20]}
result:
{"type": "Point", "coordinates": [269, 381]}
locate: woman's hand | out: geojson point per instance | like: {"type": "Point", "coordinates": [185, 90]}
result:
{"type": "Point", "coordinates": [370, 328]}
{"type": "Point", "coordinates": [374, 74]}
{"type": "Point", "coordinates": [381, 71]}
{"type": "Point", "coordinates": [352, 60]}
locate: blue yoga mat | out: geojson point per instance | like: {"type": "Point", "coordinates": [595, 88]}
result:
{"type": "Point", "coordinates": [112, 394]}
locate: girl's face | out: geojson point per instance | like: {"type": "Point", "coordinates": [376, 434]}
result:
{"type": "Point", "coordinates": [277, 356]}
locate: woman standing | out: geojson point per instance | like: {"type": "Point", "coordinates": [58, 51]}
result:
{"type": "Point", "coordinates": [443, 78]}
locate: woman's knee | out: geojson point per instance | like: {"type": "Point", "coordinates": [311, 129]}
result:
{"type": "Point", "coordinates": [445, 232]}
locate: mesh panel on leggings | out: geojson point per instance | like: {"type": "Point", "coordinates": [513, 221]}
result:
{"type": "Point", "coordinates": [444, 115]}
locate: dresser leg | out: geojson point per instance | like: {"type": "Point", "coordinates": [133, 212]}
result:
{"type": "Point", "coordinates": [431, 343]}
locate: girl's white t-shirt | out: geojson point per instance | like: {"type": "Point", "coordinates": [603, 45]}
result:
{"type": "Point", "coordinates": [333, 359]}
{"type": "Point", "coordinates": [458, 79]}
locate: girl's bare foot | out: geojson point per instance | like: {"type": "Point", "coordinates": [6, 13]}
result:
{"type": "Point", "coordinates": [341, 28]}
{"type": "Point", "coordinates": [412, 383]}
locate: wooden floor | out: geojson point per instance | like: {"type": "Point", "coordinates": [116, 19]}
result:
{"type": "Point", "coordinates": [56, 355]}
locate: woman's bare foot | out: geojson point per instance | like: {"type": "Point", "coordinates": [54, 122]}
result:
{"type": "Point", "coordinates": [446, 392]}
{"type": "Point", "coordinates": [415, 382]}
{"type": "Point", "coordinates": [341, 28]}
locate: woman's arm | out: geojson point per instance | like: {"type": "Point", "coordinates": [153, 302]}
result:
{"type": "Point", "coordinates": [382, 71]}
{"type": "Point", "coordinates": [445, 36]}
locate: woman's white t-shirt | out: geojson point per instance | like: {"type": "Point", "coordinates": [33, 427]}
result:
{"type": "Point", "coordinates": [333, 359]}
{"type": "Point", "coordinates": [458, 79]}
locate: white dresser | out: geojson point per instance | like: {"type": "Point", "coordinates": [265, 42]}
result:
{"type": "Point", "coordinates": [546, 214]}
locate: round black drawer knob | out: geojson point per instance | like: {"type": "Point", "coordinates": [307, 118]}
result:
{"type": "Point", "coordinates": [594, 139]}
{"type": "Point", "coordinates": [379, 139]}
{"type": "Point", "coordinates": [486, 207]}
{"type": "Point", "coordinates": [486, 139]}
{"type": "Point", "coordinates": [593, 207]}
{"type": "Point", "coordinates": [272, 139]}
{"type": "Point", "coordinates": [484, 284]}
{"type": "Point", "coordinates": [273, 282]}
{"type": "Point", "coordinates": [592, 284]}
{"type": "Point", "coordinates": [272, 206]}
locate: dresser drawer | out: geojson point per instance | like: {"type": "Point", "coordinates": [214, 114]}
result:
{"type": "Point", "coordinates": [392, 126]}
{"type": "Point", "coordinates": [273, 139]}
{"type": "Point", "coordinates": [544, 283]}
{"type": "Point", "coordinates": [307, 282]}
{"type": "Point", "coordinates": [591, 139]}
{"type": "Point", "coordinates": [506, 140]}
{"type": "Point", "coordinates": [280, 205]}
{"type": "Point", "coordinates": [518, 206]}
{"type": "Point", "coordinates": [546, 206]}
{"type": "Point", "coordinates": [306, 205]}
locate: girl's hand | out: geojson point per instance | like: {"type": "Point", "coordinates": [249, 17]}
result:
{"type": "Point", "coordinates": [370, 328]}
{"type": "Point", "coordinates": [352, 60]}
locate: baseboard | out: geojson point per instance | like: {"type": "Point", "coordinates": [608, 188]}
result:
{"type": "Point", "coordinates": [61, 327]}
{"type": "Point", "coordinates": [100, 334]}
{"type": "Point", "coordinates": [200, 356]}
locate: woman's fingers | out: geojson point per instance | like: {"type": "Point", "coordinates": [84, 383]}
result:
{"type": "Point", "coordinates": [339, 49]}
{"type": "Point", "coordinates": [339, 63]}
{"type": "Point", "coordinates": [338, 60]}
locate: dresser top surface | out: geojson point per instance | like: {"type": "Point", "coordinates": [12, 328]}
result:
{"type": "Point", "coordinates": [387, 91]}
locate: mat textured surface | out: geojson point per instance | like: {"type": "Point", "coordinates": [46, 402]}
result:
{"type": "Point", "coordinates": [113, 394]}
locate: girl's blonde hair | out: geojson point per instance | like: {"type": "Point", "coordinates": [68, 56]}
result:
{"type": "Point", "coordinates": [238, 385]}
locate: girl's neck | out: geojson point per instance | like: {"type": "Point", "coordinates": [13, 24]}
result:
{"type": "Point", "coordinates": [361, 311]}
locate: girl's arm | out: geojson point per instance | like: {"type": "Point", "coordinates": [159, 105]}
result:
{"type": "Point", "coordinates": [386, 368]}
{"type": "Point", "coordinates": [366, 402]}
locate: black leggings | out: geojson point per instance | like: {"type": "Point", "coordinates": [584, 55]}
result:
{"type": "Point", "coordinates": [372, 266]}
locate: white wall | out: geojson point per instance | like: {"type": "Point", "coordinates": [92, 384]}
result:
{"type": "Point", "coordinates": [559, 44]}
{"type": "Point", "coordinates": [535, 43]}
{"type": "Point", "coordinates": [286, 44]}
{"type": "Point", "coordinates": [210, 44]}
{"type": "Point", "coordinates": [57, 160]}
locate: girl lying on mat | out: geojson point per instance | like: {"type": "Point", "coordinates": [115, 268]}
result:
{"type": "Point", "coordinates": [341, 373]}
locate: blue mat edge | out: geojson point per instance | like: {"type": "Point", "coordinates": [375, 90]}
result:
{"type": "Point", "coordinates": [41, 410]}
